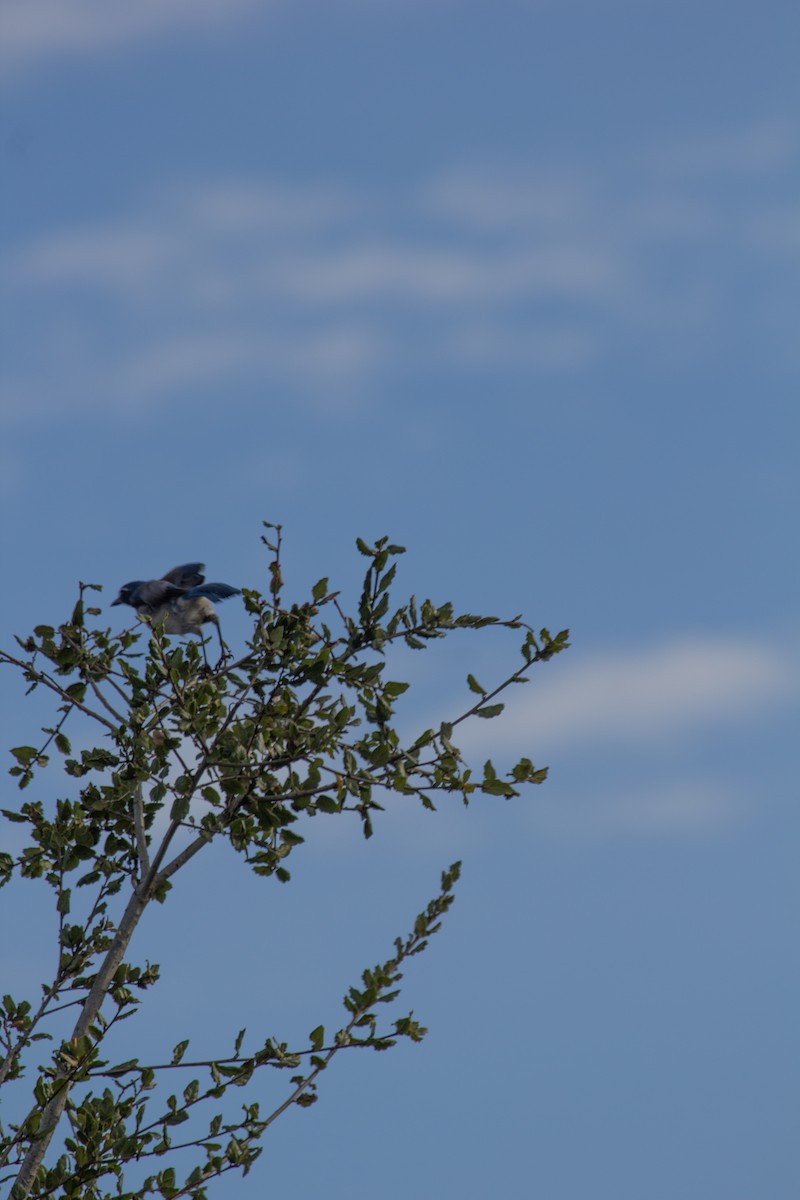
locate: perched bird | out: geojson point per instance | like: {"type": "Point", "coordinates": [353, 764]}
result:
{"type": "Point", "coordinates": [180, 601]}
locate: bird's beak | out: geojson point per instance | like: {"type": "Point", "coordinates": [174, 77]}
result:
{"type": "Point", "coordinates": [118, 600]}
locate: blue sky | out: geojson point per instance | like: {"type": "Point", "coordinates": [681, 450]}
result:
{"type": "Point", "coordinates": [517, 285]}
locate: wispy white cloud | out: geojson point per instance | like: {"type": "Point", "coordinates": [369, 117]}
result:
{"type": "Point", "coordinates": [32, 31]}
{"type": "Point", "coordinates": [35, 29]}
{"type": "Point", "coordinates": [334, 362]}
{"type": "Point", "coordinates": [469, 275]}
{"type": "Point", "coordinates": [475, 269]}
{"type": "Point", "coordinates": [184, 235]}
{"type": "Point", "coordinates": [120, 258]}
{"type": "Point", "coordinates": [503, 201]}
{"type": "Point", "coordinates": [681, 807]}
{"type": "Point", "coordinates": [182, 224]}
{"type": "Point", "coordinates": [752, 149]}
{"type": "Point", "coordinates": [131, 256]}
{"type": "Point", "coordinates": [551, 347]}
{"type": "Point", "coordinates": [238, 277]}
{"type": "Point", "coordinates": [684, 686]}
{"type": "Point", "coordinates": [342, 353]}
{"type": "Point", "coordinates": [240, 208]}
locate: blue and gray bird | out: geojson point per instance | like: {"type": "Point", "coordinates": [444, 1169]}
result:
{"type": "Point", "coordinates": [180, 601]}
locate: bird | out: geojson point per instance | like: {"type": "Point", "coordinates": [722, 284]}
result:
{"type": "Point", "coordinates": [179, 602]}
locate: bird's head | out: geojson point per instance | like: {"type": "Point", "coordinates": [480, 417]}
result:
{"type": "Point", "coordinates": [127, 593]}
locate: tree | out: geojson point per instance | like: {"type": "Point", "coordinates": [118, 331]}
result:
{"type": "Point", "coordinates": [298, 729]}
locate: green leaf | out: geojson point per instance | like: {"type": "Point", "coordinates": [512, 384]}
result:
{"type": "Point", "coordinates": [317, 1038]}
{"type": "Point", "coordinates": [6, 867]}
{"type": "Point", "coordinates": [98, 758]}
{"type": "Point", "coordinates": [179, 1051]}
{"type": "Point", "coordinates": [497, 787]}
{"type": "Point", "coordinates": [25, 754]}
{"type": "Point", "coordinates": [180, 807]}
{"type": "Point", "coordinates": [328, 804]}
{"type": "Point", "coordinates": [474, 686]}
{"type": "Point", "coordinates": [522, 770]}
{"type": "Point", "coordinates": [490, 710]}
{"type": "Point", "coordinates": [123, 1068]}
{"type": "Point", "coordinates": [393, 688]}
{"type": "Point", "coordinates": [320, 588]}
{"type": "Point", "coordinates": [525, 772]}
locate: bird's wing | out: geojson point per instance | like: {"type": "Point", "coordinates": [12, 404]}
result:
{"type": "Point", "coordinates": [155, 592]}
{"type": "Point", "coordinates": [214, 591]}
{"type": "Point", "coordinates": [186, 576]}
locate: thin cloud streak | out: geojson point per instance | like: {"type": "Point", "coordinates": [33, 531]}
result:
{"type": "Point", "coordinates": [465, 276]}
{"type": "Point", "coordinates": [31, 30]}
{"type": "Point", "coordinates": [751, 150]}
{"type": "Point", "coordinates": [660, 693]}
{"type": "Point", "coordinates": [685, 807]}
{"type": "Point", "coordinates": [553, 348]}
{"type": "Point", "coordinates": [129, 260]}
{"type": "Point", "coordinates": [342, 353]}
{"type": "Point", "coordinates": [496, 203]}
{"type": "Point", "coordinates": [473, 270]}
{"type": "Point", "coordinates": [119, 258]}
{"type": "Point", "coordinates": [335, 361]}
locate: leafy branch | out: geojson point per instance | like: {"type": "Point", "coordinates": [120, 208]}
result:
{"type": "Point", "coordinates": [301, 725]}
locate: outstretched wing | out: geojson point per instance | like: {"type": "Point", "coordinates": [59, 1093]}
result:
{"type": "Point", "coordinates": [156, 592]}
{"type": "Point", "coordinates": [214, 591]}
{"type": "Point", "coordinates": [187, 576]}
